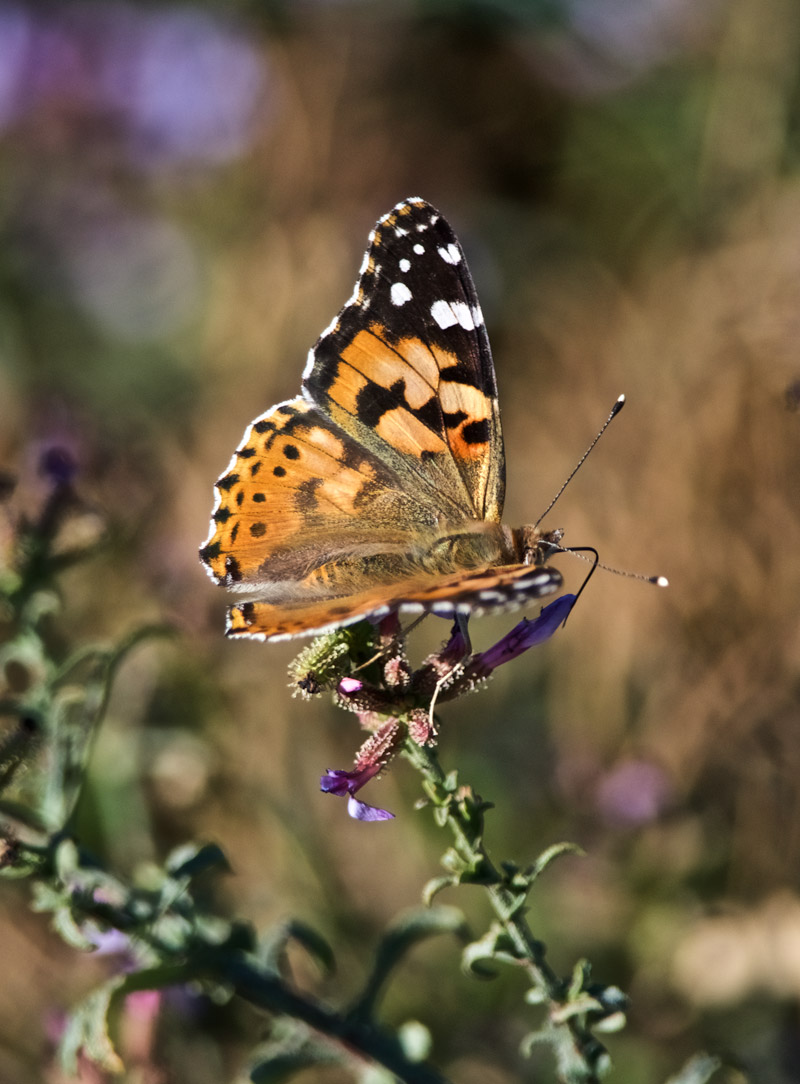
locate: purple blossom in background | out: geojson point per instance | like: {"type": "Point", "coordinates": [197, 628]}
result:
{"type": "Point", "coordinates": [182, 85]}
{"type": "Point", "coordinates": [110, 84]}
{"type": "Point", "coordinates": [136, 275]}
{"type": "Point", "coordinates": [192, 87]}
{"type": "Point", "coordinates": [15, 39]}
{"type": "Point", "coordinates": [58, 465]}
{"type": "Point", "coordinates": [597, 48]}
{"type": "Point", "coordinates": [633, 792]}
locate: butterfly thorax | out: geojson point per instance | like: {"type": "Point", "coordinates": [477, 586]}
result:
{"type": "Point", "coordinates": [351, 564]}
{"type": "Point", "coordinates": [475, 544]}
{"type": "Point", "coordinates": [479, 544]}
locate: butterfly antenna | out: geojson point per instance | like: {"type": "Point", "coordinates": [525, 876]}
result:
{"type": "Point", "coordinates": [617, 407]}
{"type": "Point", "coordinates": [581, 551]}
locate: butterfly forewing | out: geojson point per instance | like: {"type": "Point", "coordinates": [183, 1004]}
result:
{"type": "Point", "coordinates": [406, 366]}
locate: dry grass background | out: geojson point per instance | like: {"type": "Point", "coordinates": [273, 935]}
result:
{"type": "Point", "coordinates": [632, 221]}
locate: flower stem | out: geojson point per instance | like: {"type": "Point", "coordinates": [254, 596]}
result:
{"type": "Point", "coordinates": [462, 811]}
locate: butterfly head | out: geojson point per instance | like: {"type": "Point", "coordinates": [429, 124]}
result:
{"type": "Point", "coordinates": [534, 547]}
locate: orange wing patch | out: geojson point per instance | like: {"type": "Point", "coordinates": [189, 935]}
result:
{"type": "Point", "coordinates": [297, 492]}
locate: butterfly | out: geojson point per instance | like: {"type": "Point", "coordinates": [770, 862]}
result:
{"type": "Point", "coordinates": [380, 488]}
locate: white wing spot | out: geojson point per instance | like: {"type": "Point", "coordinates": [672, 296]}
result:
{"type": "Point", "coordinates": [400, 232]}
{"type": "Point", "coordinates": [448, 313]}
{"type": "Point", "coordinates": [405, 265]}
{"type": "Point", "coordinates": [443, 314]}
{"type": "Point", "coordinates": [419, 249]}
{"type": "Point", "coordinates": [477, 315]}
{"type": "Point", "coordinates": [450, 254]}
{"type": "Point", "coordinates": [464, 315]}
{"type": "Point", "coordinates": [399, 293]}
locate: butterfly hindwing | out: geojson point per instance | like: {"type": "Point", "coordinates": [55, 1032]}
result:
{"type": "Point", "coordinates": [472, 593]}
{"type": "Point", "coordinates": [299, 494]}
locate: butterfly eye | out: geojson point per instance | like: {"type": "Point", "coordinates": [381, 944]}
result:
{"type": "Point", "coordinates": [535, 546]}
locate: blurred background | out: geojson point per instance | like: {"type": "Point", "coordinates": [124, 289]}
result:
{"type": "Point", "coordinates": [185, 193]}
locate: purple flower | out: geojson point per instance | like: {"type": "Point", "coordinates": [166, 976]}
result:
{"type": "Point", "coordinates": [456, 647]}
{"type": "Point", "coordinates": [526, 635]}
{"type": "Point", "coordinates": [341, 782]}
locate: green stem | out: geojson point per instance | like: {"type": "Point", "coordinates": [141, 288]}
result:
{"type": "Point", "coordinates": [364, 1040]}
{"type": "Point", "coordinates": [465, 821]}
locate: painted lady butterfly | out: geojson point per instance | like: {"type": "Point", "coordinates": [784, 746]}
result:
{"type": "Point", "coordinates": [380, 488]}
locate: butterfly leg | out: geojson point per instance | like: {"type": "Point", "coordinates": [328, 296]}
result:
{"type": "Point", "coordinates": [462, 626]}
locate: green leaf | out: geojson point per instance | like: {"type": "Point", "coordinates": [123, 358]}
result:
{"type": "Point", "coordinates": [452, 861]}
{"type": "Point", "coordinates": [87, 1031]}
{"type": "Point", "coordinates": [557, 850]}
{"type": "Point", "coordinates": [615, 1021]}
{"type": "Point", "coordinates": [495, 946]}
{"type": "Point", "coordinates": [435, 886]}
{"type": "Point", "coordinates": [575, 1007]}
{"type": "Point", "coordinates": [70, 932]}
{"type": "Point", "coordinates": [57, 902]}
{"type": "Point", "coordinates": [542, 1037]}
{"type": "Point", "coordinates": [272, 946]}
{"type": "Point", "coordinates": [172, 931]}
{"type": "Point", "coordinates": [376, 1074]}
{"type": "Point", "coordinates": [281, 1067]}
{"type": "Point", "coordinates": [415, 1040]}
{"type": "Point", "coordinates": [406, 931]}
{"type": "Point", "coordinates": [581, 973]}
{"type": "Point", "coordinates": [699, 1069]}
{"type": "Point", "coordinates": [194, 858]}
{"type": "Point", "coordinates": [67, 859]}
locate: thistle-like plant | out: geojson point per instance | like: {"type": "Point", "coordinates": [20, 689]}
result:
{"type": "Point", "coordinates": [159, 933]}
